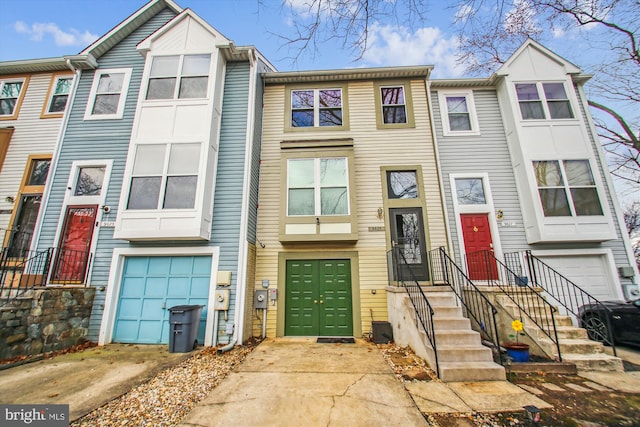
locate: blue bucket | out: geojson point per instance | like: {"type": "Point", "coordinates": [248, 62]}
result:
{"type": "Point", "coordinates": [519, 354]}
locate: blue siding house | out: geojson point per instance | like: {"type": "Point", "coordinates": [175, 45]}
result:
{"type": "Point", "coordinates": [152, 198]}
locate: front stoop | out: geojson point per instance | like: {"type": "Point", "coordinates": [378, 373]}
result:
{"type": "Point", "coordinates": [461, 355]}
{"type": "Point", "coordinates": [575, 345]}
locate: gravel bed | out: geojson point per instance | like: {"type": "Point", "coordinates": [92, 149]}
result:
{"type": "Point", "coordinates": [173, 393]}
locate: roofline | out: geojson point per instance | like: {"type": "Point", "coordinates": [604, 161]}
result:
{"type": "Point", "coordinates": [470, 82]}
{"type": "Point", "coordinates": [347, 74]}
{"type": "Point", "coordinates": [38, 65]}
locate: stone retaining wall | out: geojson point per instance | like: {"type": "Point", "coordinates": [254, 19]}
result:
{"type": "Point", "coordinates": [49, 319]}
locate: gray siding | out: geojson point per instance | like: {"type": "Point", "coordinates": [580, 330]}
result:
{"type": "Point", "coordinates": [486, 153]}
{"type": "Point", "coordinates": [227, 204]}
{"type": "Point", "coordinates": [100, 139]}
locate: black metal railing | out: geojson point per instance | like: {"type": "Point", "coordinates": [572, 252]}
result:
{"type": "Point", "coordinates": [485, 267]}
{"type": "Point", "coordinates": [587, 310]}
{"type": "Point", "coordinates": [476, 306]}
{"type": "Point", "coordinates": [70, 267]}
{"type": "Point", "coordinates": [19, 243]}
{"type": "Point", "coordinates": [22, 273]}
{"type": "Point", "coordinates": [421, 305]}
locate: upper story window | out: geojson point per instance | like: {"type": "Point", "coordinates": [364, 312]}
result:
{"type": "Point", "coordinates": [317, 186]}
{"type": "Point", "coordinates": [164, 176]}
{"type": "Point", "coordinates": [402, 185]}
{"type": "Point", "coordinates": [58, 95]}
{"type": "Point", "coordinates": [567, 188]}
{"type": "Point", "coordinates": [458, 113]}
{"type": "Point", "coordinates": [393, 105]}
{"type": "Point", "coordinates": [38, 172]}
{"type": "Point", "coordinates": [179, 77]}
{"type": "Point", "coordinates": [11, 93]}
{"type": "Point", "coordinates": [108, 94]}
{"type": "Point", "coordinates": [541, 100]}
{"type": "Point", "coordinates": [316, 107]}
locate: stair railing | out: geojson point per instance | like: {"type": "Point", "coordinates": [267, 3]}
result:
{"type": "Point", "coordinates": [570, 296]}
{"type": "Point", "coordinates": [476, 306]}
{"type": "Point", "coordinates": [22, 273]}
{"type": "Point", "coordinates": [484, 267]}
{"type": "Point", "coordinates": [424, 312]}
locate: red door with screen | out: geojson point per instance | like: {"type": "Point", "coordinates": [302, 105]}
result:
{"type": "Point", "coordinates": [73, 251]}
{"type": "Point", "coordinates": [477, 241]}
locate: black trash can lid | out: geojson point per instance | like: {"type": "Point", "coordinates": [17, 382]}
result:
{"type": "Point", "coordinates": [185, 307]}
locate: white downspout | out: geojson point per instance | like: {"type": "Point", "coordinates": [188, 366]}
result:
{"type": "Point", "coordinates": [241, 281]}
{"type": "Point", "coordinates": [56, 156]}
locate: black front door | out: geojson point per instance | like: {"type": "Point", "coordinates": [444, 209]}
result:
{"type": "Point", "coordinates": [408, 237]}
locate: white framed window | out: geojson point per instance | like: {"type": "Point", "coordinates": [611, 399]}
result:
{"type": "Point", "coordinates": [316, 107]}
{"type": "Point", "coordinates": [317, 186]}
{"type": "Point", "coordinates": [88, 181]}
{"type": "Point", "coordinates": [458, 113]}
{"type": "Point", "coordinates": [179, 77]}
{"type": "Point", "coordinates": [567, 188]}
{"type": "Point", "coordinates": [164, 176]}
{"type": "Point", "coordinates": [539, 101]}
{"type": "Point", "coordinates": [108, 94]}
{"type": "Point", "coordinates": [11, 93]}
{"type": "Point", "coordinates": [394, 108]}
{"type": "Point", "coordinates": [58, 95]}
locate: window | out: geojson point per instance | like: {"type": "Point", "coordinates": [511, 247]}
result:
{"type": "Point", "coordinates": [58, 95]}
{"type": "Point", "coordinates": [402, 185]}
{"type": "Point", "coordinates": [470, 191]}
{"type": "Point", "coordinates": [393, 105]}
{"type": "Point", "coordinates": [89, 181]}
{"type": "Point", "coordinates": [458, 113]}
{"type": "Point", "coordinates": [532, 106]}
{"type": "Point", "coordinates": [316, 108]}
{"type": "Point", "coordinates": [164, 176]}
{"type": "Point", "coordinates": [38, 171]}
{"type": "Point", "coordinates": [317, 187]}
{"type": "Point", "coordinates": [176, 76]}
{"type": "Point", "coordinates": [108, 94]}
{"type": "Point", "coordinates": [11, 93]}
{"type": "Point", "coordinates": [567, 188]}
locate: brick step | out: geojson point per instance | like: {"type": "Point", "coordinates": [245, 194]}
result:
{"type": "Point", "coordinates": [471, 371]}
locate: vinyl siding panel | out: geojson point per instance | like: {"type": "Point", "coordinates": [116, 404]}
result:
{"type": "Point", "coordinates": [32, 135]}
{"type": "Point", "coordinates": [373, 148]}
{"type": "Point", "coordinates": [484, 153]}
{"type": "Point", "coordinates": [100, 139]}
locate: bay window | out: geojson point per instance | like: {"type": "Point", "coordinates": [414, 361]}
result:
{"type": "Point", "coordinates": [179, 77]}
{"type": "Point", "coordinates": [541, 100]}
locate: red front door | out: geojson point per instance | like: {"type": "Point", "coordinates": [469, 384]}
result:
{"type": "Point", "coordinates": [73, 251]}
{"type": "Point", "coordinates": [477, 241]}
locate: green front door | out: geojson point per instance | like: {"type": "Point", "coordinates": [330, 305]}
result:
{"type": "Point", "coordinates": [318, 298]}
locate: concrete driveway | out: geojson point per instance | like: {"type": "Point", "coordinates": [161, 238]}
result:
{"type": "Point", "coordinates": [297, 382]}
{"type": "Point", "coordinates": [87, 379]}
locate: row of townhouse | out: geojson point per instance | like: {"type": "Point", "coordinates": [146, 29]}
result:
{"type": "Point", "coordinates": [166, 166]}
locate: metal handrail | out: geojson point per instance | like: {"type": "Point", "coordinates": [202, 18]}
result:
{"type": "Point", "coordinates": [421, 305]}
{"type": "Point", "coordinates": [569, 295]}
{"type": "Point", "coordinates": [23, 273]}
{"type": "Point", "coordinates": [477, 307]}
{"type": "Point", "coordinates": [487, 268]}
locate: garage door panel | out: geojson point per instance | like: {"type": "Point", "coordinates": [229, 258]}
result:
{"type": "Point", "coordinates": [148, 290]}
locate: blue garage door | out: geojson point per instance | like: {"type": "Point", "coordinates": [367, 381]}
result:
{"type": "Point", "coordinates": [152, 285]}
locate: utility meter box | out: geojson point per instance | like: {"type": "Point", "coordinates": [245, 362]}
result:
{"type": "Point", "coordinates": [221, 300]}
{"type": "Point", "coordinates": [260, 299]}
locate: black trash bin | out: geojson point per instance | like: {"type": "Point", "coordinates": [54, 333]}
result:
{"type": "Point", "coordinates": [184, 321]}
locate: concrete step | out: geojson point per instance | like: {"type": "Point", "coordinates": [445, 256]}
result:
{"type": "Point", "coordinates": [450, 323]}
{"type": "Point", "coordinates": [457, 337]}
{"type": "Point", "coordinates": [571, 332]}
{"type": "Point", "coordinates": [580, 346]}
{"type": "Point", "coordinates": [464, 353]}
{"type": "Point", "coordinates": [447, 311]}
{"type": "Point", "coordinates": [599, 362]}
{"type": "Point", "coordinates": [471, 371]}
{"type": "Point", "coordinates": [563, 320]}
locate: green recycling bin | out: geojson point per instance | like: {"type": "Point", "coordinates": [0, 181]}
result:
{"type": "Point", "coordinates": [184, 321]}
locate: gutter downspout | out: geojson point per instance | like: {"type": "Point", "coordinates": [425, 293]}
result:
{"type": "Point", "coordinates": [241, 282]}
{"type": "Point", "coordinates": [227, 347]}
{"type": "Point", "coordinates": [56, 156]}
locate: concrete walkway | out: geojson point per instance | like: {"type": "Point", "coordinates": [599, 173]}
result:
{"type": "Point", "coordinates": [295, 382]}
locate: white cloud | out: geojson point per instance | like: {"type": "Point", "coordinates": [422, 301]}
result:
{"type": "Point", "coordinates": [391, 45]}
{"type": "Point", "coordinates": [38, 31]}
